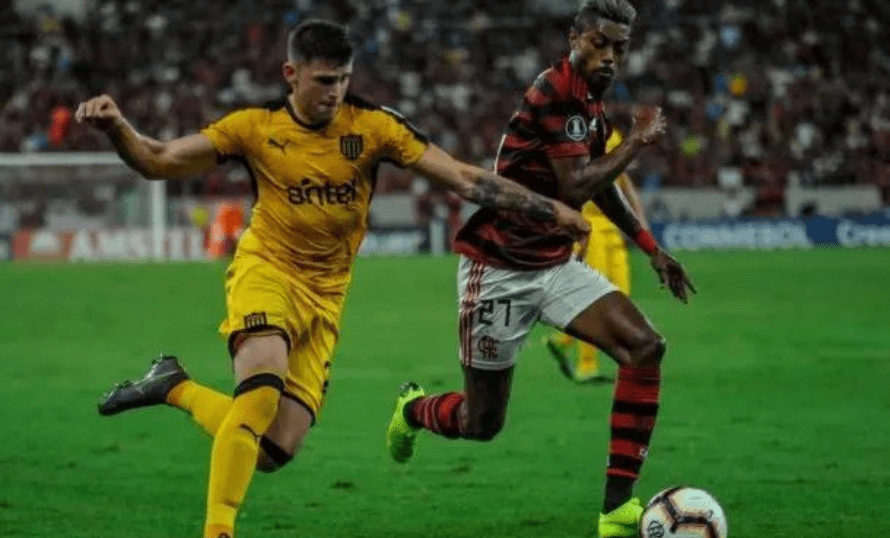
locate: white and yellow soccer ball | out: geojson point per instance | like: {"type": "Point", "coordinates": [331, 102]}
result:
{"type": "Point", "coordinates": [683, 512]}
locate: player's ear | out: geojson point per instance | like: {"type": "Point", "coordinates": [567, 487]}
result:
{"type": "Point", "coordinates": [573, 38]}
{"type": "Point", "coordinates": [289, 71]}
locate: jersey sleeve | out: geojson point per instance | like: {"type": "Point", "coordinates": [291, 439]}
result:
{"type": "Point", "coordinates": [232, 134]}
{"type": "Point", "coordinates": [403, 143]}
{"type": "Point", "coordinates": [559, 120]}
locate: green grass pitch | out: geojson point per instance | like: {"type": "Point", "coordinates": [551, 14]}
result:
{"type": "Point", "coordinates": [775, 399]}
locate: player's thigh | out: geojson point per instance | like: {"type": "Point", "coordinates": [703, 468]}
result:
{"type": "Point", "coordinates": [260, 353]}
{"type": "Point", "coordinates": [309, 362]}
{"type": "Point", "coordinates": [587, 305]}
{"type": "Point", "coordinates": [256, 324]}
{"type": "Point", "coordinates": [307, 379]}
{"type": "Point", "coordinates": [615, 325]}
{"type": "Point", "coordinates": [498, 309]}
{"type": "Point", "coordinates": [570, 288]}
{"type": "Point", "coordinates": [263, 299]}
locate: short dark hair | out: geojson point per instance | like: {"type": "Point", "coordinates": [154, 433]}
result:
{"type": "Point", "coordinates": [317, 38]}
{"type": "Point", "coordinates": [591, 11]}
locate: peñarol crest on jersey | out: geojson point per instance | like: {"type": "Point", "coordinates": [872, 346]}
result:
{"type": "Point", "coordinates": [351, 146]}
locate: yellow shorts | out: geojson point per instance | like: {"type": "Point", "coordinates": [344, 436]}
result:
{"type": "Point", "coordinates": [262, 298]}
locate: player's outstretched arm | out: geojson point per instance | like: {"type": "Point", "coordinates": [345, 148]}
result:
{"type": "Point", "coordinates": [580, 179]}
{"type": "Point", "coordinates": [491, 190]}
{"type": "Point", "coordinates": [152, 158]}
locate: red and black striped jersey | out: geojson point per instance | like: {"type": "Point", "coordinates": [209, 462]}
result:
{"type": "Point", "coordinates": [558, 118]}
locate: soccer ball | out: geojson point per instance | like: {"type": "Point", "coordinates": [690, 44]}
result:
{"type": "Point", "coordinates": [683, 512]}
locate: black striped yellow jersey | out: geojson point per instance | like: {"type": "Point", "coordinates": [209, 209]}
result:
{"type": "Point", "coordinates": [313, 184]}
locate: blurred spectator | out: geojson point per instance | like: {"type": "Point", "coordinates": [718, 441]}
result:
{"type": "Point", "coordinates": [60, 122]}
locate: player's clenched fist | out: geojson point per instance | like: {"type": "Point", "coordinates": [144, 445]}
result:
{"type": "Point", "coordinates": [100, 112]}
{"type": "Point", "coordinates": [648, 124]}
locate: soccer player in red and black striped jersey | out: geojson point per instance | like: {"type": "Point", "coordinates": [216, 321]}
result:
{"type": "Point", "coordinates": [514, 272]}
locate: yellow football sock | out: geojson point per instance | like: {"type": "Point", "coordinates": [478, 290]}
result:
{"type": "Point", "coordinates": [234, 452]}
{"type": "Point", "coordinates": [588, 363]}
{"type": "Point", "coordinates": [207, 407]}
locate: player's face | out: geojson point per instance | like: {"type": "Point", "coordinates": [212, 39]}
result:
{"type": "Point", "coordinates": [319, 87]}
{"type": "Point", "coordinates": [598, 51]}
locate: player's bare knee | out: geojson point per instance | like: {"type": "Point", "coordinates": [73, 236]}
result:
{"type": "Point", "coordinates": [272, 457]}
{"type": "Point", "coordinates": [649, 353]}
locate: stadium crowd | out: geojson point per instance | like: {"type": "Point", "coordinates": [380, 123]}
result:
{"type": "Point", "coordinates": [766, 93]}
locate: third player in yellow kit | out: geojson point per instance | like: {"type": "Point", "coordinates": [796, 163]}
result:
{"type": "Point", "coordinates": [606, 251]}
{"type": "Point", "coordinates": [313, 157]}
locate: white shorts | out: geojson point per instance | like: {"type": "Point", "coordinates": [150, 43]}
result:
{"type": "Point", "coordinates": [498, 307]}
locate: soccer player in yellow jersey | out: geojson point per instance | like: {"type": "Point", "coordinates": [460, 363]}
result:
{"type": "Point", "coordinates": [313, 158]}
{"type": "Point", "coordinates": [605, 251]}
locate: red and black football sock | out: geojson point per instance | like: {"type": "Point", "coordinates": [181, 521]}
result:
{"type": "Point", "coordinates": [439, 413]}
{"type": "Point", "coordinates": [634, 410]}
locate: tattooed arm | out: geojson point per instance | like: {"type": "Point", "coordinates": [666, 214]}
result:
{"type": "Point", "coordinates": [491, 190]}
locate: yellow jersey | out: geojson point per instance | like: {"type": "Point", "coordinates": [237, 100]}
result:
{"type": "Point", "coordinates": [313, 185]}
{"type": "Point", "coordinates": [600, 223]}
